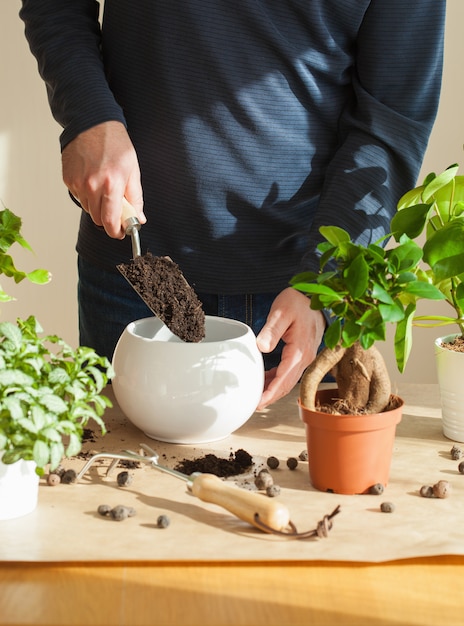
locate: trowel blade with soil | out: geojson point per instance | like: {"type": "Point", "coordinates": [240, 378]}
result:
{"type": "Point", "coordinates": [164, 289]}
{"type": "Point", "coordinates": [162, 286]}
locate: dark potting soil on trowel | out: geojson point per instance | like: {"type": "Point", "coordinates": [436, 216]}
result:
{"type": "Point", "coordinates": [162, 286]}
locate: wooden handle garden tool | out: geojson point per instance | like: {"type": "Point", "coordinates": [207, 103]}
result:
{"type": "Point", "coordinates": [256, 509]}
{"type": "Point", "coordinates": [248, 506]}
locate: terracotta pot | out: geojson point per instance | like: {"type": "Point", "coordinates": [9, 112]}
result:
{"type": "Point", "coordinates": [348, 454]}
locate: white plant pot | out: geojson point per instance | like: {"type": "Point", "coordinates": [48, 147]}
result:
{"type": "Point", "coordinates": [188, 393]}
{"type": "Point", "coordinates": [450, 371]}
{"type": "Point", "coordinates": [19, 488]}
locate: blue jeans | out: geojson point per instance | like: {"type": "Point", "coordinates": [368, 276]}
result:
{"type": "Point", "coordinates": [107, 303]}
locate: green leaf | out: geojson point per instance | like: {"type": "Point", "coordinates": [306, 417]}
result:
{"type": "Point", "coordinates": [74, 446]}
{"type": "Point", "coordinates": [56, 454]}
{"type": "Point", "coordinates": [319, 289]}
{"type": "Point", "coordinates": [12, 333]}
{"type": "Point", "coordinates": [12, 405]}
{"type": "Point", "coordinates": [350, 333]}
{"type": "Point", "coordinates": [404, 257]}
{"type": "Point", "coordinates": [41, 453]}
{"type": "Point", "coordinates": [421, 289]}
{"type": "Point", "coordinates": [410, 221]}
{"type": "Point", "coordinates": [13, 378]}
{"type": "Point", "coordinates": [38, 416]}
{"type": "Point", "coordinates": [391, 312]}
{"type": "Point", "coordinates": [28, 425]}
{"type": "Point", "coordinates": [332, 334]}
{"type": "Point", "coordinates": [439, 182]}
{"type": "Point", "coordinates": [403, 338]}
{"type": "Point", "coordinates": [304, 277]}
{"type": "Point", "coordinates": [54, 403]}
{"type": "Point", "coordinates": [357, 277]}
{"type": "Point", "coordinates": [459, 295]}
{"type": "Point", "coordinates": [444, 251]}
{"type": "Point", "coordinates": [58, 376]}
{"type": "Point", "coordinates": [334, 234]}
{"type": "Point", "coordinates": [39, 277]}
{"type": "Point", "coordinates": [51, 434]}
{"type": "Point", "coordinates": [380, 294]}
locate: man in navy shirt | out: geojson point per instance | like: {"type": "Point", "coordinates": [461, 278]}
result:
{"type": "Point", "coordinates": [248, 125]}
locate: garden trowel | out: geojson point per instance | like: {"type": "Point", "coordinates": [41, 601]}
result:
{"type": "Point", "coordinates": [161, 285]}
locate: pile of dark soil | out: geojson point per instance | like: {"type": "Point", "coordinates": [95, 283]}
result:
{"type": "Point", "coordinates": [237, 463]}
{"type": "Point", "coordinates": [164, 289]}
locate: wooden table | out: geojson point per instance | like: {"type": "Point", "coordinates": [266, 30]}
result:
{"type": "Point", "coordinates": [414, 591]}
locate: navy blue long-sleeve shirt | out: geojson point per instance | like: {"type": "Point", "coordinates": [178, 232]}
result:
{"type": "Point", "coordinates": [255, 121]}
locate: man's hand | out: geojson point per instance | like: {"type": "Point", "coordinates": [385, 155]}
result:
{"type": "Point", "coordinates": [292, 320]}
{"type": "Point", "coordinates": [100, 168]}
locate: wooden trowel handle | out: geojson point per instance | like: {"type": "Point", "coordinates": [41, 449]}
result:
{"type": "Point", "coordinates": [128, 210]}
{"type": "Point", "coordinates": [244, 504]}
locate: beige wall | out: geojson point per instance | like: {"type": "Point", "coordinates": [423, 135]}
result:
{"type": "Point", "coordinates": [31, 186]}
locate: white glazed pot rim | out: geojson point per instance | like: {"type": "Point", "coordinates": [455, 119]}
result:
{"type": "Point", "coordinates": [218, 330]}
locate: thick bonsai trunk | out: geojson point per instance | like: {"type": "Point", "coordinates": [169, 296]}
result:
{"type": "Point", "coordinates": [361, 376]}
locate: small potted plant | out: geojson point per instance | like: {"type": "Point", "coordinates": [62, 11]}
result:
{"type": "Point", "coordinates": [48, 392]}
{"type": "Point", "coordinates": [350, 429]}
{"type": "Point", "coordinates": [435, 212]}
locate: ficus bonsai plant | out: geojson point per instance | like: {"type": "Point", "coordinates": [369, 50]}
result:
{"type": "Point", "coordinates": [365, 288]}
{"type": "Point", "coordinates": [48, 391]}
{"type": "Point", "coordinates": [435, 211]}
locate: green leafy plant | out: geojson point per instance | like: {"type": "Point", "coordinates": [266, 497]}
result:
{"type": "Point", "coordinates": [435, 211]}
{"type": "Point", "coordinates": [365, 288]}
{"type": "Point", "coordinates": [48, 391]}
{"type": "Point", "coordinates": [10, 233]}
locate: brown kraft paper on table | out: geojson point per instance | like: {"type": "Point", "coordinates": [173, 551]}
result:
{"type": "Point", "coordinates": [66, 526]}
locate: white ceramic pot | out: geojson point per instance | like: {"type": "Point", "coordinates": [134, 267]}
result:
{"type": "Point", "coordinates": [19, 488]}
{"type": "Point", "coordinates": [450, 371]}
{"type": "Point", "coordinates": [188, 392]}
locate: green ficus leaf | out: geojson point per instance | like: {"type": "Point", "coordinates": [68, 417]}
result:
{"type": "Point", "coordinates": [439, 182]}
{"type": "Point", "coordinates": [444, 250]}
{"type": "Point", "coordinates": [410, 221]}
{"type": "Point", "coordinates": [357, 277]}
{"type": "Point", "coordinates": [380, 294]}
{"type": "Point", "coordinates": [332, 334]}
{"type": "Point", "coordinates": [459, 296]}
{"type": "Point", "coordinates": [421, 289]}
{"type": "Point", "coordinates": [391, 313]}
{"type": "Point", "coordinates": [334, 235]}
{"type": "Point", "coordinates": [351, 332]}
{"type": "Point", "coordinates": [404, 257]}
{"type": "Point", "coordinates": [304, 277]}
{"type": "Point", "coordinates": [403, 338]}
{"type": "Point", "coordinates": [319, 289]}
